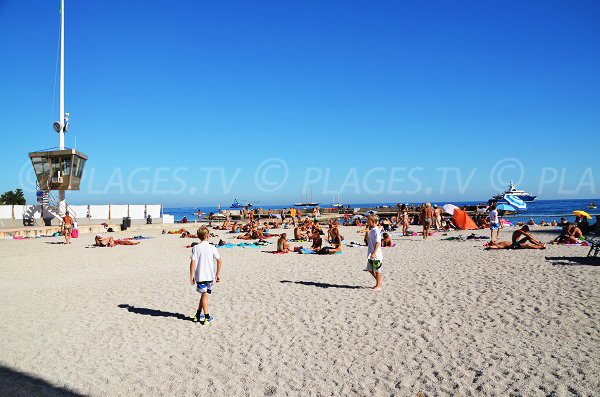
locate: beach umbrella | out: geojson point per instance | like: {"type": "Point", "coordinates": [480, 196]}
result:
{"type": "Point", "coordinates": [506, 207]}
{"type": "Point", "coordinates": [515, 201]}
{"type": "Point", "coordinates": [449, 208]}
{"type": "Point", "coordinates": [582, 213]}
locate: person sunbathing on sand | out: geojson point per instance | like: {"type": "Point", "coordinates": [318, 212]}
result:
{"type": "Point", "coordinates": [235, 228]}
{"type": "Point", "coordinates": [253, 234]}
{"type": "Point", "coordinates": [104, 242]}
{"type": "Point", "coordinates": [225, 226]}
{"type": "Point", "coordinates": [571, 235]}
{"type": "Point", "coordinates": [336, 242]}
{"type": "Point", "coordinates": [110, 242]}
{"type": "Point", "coordinates": [386, 240]}
{"type": "Point", "coordinates": [180, 231]}
{"type": "Point", "coordinates": [521, 239]}
{"type": "Point", "coordinates": [317, 241]}
{"type": "Point", "coordinates": [282, 244]}
{"type": "Point", "coordinates": [299, 233]}
{"type": "Point", "coordinates": [187, 234]}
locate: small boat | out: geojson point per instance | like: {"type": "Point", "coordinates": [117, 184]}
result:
{"type": "Point", "coordinates": [337, 204]}
{"type": "Point", "coordinates": [242, 205]}
{"type": "Point", "coordinates": [513, 191]}
{"type": "Point", "coordinates": [306, 203]}
{"type": "Point", "coordinates": [592, 205]}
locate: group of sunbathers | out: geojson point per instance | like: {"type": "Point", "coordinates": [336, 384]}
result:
{"type": "Point", "coordinates": [311, 231]}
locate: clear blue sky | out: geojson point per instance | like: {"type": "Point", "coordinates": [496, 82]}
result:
{"type": "Point", "coordinates": [177, 86]}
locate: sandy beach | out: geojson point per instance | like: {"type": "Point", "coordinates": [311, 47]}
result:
{"type": "Point", "coordinates": [452, 320]}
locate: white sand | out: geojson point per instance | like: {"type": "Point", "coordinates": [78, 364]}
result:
{"type": "Point", "coordinates": [452, 319]}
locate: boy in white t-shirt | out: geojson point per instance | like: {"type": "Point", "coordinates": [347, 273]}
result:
{"type": "Point", "coordinates": [495, 223]}
{"type": "Point", "coordinates": [375, 254]}
{"type": "Point", "coordinates": [203, 273]}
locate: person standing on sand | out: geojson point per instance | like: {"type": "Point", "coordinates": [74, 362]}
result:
{"type": "Point", "coordinates": [282, 214]}
{"type": "Point", "coordinates": [203, 273]}
{"type": "Point", "coordinates": [494, 223]}
{"type": "Point", "coordinates": [293, 215]}
{"type": "Point", "coordinates": [404, 215]}
{"type": "Point", "coordinates": [437, 212]}
{"type": "Point", "coordinates": [426, 219]}
{"type": "Point", "coordinates": [374, 251]}
{"type": "Point", "coordinates": [67, 226]}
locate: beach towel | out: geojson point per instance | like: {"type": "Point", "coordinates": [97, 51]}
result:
{"type": "Point", "coordinates": [137, 238]}
{"type": "Point", "coordinates": [455, 238]}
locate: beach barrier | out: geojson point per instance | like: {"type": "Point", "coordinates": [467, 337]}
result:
{"type": "Point", "coordinates": [27, 215]}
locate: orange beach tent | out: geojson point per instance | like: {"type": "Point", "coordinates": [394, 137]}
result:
{"type": "Point", "coordinates": [463, 221]}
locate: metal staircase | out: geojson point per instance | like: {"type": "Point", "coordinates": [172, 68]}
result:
{"type": "Point", "coordinates": [50, 204]}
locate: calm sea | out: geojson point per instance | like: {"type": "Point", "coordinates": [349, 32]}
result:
{"type": "Point", "coordinates": [540, 209]}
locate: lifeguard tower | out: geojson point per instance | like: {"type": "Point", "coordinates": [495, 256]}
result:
{"type": "Point", "coordinates": [58, 169]}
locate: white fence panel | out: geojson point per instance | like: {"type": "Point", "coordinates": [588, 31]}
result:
{"type": "Point", "coordinates": [137, 211]}
{"type": "Point", "coordinates": [170, 219]}
{"type": "Point", "coordinates": [30, 211]}
{"type": "Point", "coordinates": [153, 210]}
{"type": "Point", "coordinates": [6, 212]}
{"type": "Point", "coordinates": [99, 211]}
{"type": "Point", "coordinates": [118, 211]}
{"type": "Point", "coordinates": [78, 211]}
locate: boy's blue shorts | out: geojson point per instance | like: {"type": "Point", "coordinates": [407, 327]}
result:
{"type": "Point", "coordinates": [204, 286]}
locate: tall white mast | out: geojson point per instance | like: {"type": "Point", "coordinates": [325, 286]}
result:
{"type": "Point", "coordinates": [62, 204]}
{"type": "Point", "coordinates": [61, 112]}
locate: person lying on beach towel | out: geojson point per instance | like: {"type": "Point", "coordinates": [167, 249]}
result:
{"type": "Point", "coordinates": [104, 242]}
{"type": "Point", "coordinates": [180, 231]}
{"type": "Point", "coordinates": [521, 239]}
{"type": "Point", "coordinates": [110, 242]}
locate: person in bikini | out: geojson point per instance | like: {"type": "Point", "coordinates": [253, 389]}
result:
{"type": "Point", "coordinates": [67, 225]}
{"type": "Point", "coordinates": [427, 219]}
{"type": "Point", "coordinates": [282, 244]}
{"type": "Point", "coordinates": [404, 219]}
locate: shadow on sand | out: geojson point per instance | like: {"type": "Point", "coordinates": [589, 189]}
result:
{"type": "Point", "coordinates": [154, 312]}
{"type": "Point", "coordinates": [321, 285]}
{"type": "Point", "coordinates": [574, 260]}
{"type": "Point", "coordinates": [15, 383]}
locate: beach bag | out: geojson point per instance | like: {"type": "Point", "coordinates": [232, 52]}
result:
{"type": "Point", "coordinates": [74, 233]}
